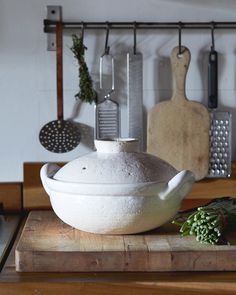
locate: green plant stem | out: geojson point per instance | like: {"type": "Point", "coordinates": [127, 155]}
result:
{"type": "Point", "coordinates": [87, 92]}
{"type": "Point", "coordinates": [210, 222]}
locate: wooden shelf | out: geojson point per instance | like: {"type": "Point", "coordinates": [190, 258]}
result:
{"type": "Point", "coordinates": [34, 195]}
{"type": "Point", "coordinates": [214, 188]}
{"type": "Point", "coordinates": [10, 196]}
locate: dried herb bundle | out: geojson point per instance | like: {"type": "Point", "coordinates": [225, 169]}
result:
{"type": "Point", "coordinates": [87, 92]}
{"type": "Point", "coordinates": [209, 223]}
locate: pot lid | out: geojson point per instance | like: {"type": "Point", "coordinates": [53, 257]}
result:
{"type": "Point", "coordinates": [116, 162]}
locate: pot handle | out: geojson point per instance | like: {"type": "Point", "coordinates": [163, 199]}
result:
{"type": "Point", "coordinates": [47, 171]}
{"type": "Point", "coordinates": [179, 186]}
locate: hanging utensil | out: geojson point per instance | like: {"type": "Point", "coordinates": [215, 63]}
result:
{"type": "Point", "coordinates": [59, 136]}
{"type": "Point", "coordinates": [135, 94]}
{"type": "Point", "coordinates": [221, 125]}
{"type": "Point", "coordinates": [107, 111]}
{"type": "Point", "coordinates": [178, 129]}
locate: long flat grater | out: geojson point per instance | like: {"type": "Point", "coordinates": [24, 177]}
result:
{"type": "Point", "coordinates": [107, 111]}
{"type": "Point", "coordinates": [135, 94]}
{"type": "Point", "coordinates": [135, 97]}
{"type": "Point", "coordinates": [221, 126]}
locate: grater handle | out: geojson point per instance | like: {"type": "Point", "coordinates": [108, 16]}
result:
{"type": "Point", "coordinates": [112, 76]}
{"type": "Point", "coordinates": [101, 72]}
{"type": "Point", "coordinates": [213, 79]}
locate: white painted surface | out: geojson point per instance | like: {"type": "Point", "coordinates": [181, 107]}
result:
{"type": "Point", "coordinates": [27, 70]}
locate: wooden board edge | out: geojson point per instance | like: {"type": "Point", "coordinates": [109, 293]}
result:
{"type": "Point", "coordinates": [28, 261]}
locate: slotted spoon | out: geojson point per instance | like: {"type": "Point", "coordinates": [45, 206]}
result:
{"type": "Point", "coordinates": [59, 136]}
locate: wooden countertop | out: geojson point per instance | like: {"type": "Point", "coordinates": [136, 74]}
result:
{"type": "Point", "coordinates": [156, 283]}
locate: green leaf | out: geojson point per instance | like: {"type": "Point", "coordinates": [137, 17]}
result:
{"type": "Point", "coordinates": [87, 92]}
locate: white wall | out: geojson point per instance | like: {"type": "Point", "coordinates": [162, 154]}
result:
{"type": "Point", "coordinates": [27, 70]}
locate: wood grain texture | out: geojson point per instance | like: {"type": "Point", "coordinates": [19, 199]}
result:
{"type": "Point", "coordinates": [10, 196]}
{"type": "Point", "coordinates": [143, 283]}
{"type": "Point", "coordinates": [8, 226]}
{"type": "Point", "coordinates": [34, 195]}
{"type": "Point", "coordinates": [178, 130]}
{"type": "Point", "coordinates": [214, 188]}
{"type": "Point", "coordinates": [49, 245]}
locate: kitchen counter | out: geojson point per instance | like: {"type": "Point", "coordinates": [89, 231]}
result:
{"type": "Point", "coordinates": [175, 283]}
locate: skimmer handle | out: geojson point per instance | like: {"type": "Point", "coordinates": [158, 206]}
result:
{"type": "Point", "coordinates": [59, 69]}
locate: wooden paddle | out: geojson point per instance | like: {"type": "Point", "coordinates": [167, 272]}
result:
{"type": "Point", "coordinates": [178, 130]}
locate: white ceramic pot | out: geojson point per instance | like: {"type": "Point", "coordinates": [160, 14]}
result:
{"type": "Point", "coordinates": [116, 190]}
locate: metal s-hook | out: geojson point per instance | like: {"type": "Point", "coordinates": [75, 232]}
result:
{"type": "Point", "coordinates": [135, 37]}
{"type": "Point", "coordinates": [212, 36]}
{"type": "Point", "coordinates": [107, 52]}
{"type": "Point", "coordinates": [180, 35]}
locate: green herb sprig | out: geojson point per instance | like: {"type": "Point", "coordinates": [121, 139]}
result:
{"type": "Point", "coordinates": [209, 223]}
{"type": "Point", "coordinates": [87, 92]}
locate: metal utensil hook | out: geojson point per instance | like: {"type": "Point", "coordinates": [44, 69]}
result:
{"type": "Point", "coordinates": [107, 48]}
{"type": "Point", "coordinates": [135, 37]}
{"type": "Point", "coordinates": [180, 36]}
{"type": "Point", "coordinates": [212, 36]}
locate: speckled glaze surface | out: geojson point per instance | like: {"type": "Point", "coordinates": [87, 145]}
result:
{"type": "Point", "coordinates": [116, 162]}
{"type": "Point", "coordinates": [116, 190]}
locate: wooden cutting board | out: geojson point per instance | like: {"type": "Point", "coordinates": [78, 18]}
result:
{"type": "Point", "coordinates": [178, 129]}
{"type": "Point", "coordinates": [49, 245]}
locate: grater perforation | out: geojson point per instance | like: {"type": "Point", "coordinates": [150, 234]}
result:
{"type": "Point", "coordinates": [220, 144]}
{"type": "Point", "coordinates": [107, 111]}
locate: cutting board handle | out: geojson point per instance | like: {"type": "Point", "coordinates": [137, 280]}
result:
{"type": "Point", "coordinates": [180, 64]}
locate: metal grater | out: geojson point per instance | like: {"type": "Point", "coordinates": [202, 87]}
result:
{"type": "Point", "coordinates": [221, 125]}
{"type": "Point", "coordinates": [220, 144]}
{"type": "Point", "coordinates": [107, 118]}
{"type": "Point", "coordinates": [135, 97]}
{"type": "Point", "coordinates": [107, 111]}
{"type": "Point", "coordinates": [135, 93]}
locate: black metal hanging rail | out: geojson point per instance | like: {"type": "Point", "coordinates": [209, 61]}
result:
{"type": "Point", "coordinates": [50, 25]}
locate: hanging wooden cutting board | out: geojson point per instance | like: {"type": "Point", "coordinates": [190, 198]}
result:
{"type": "Point", "coordinates": [178, 129]}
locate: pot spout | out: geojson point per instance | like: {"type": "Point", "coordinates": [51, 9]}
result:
{"type": "Point", "coordinates": [179, 186]}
